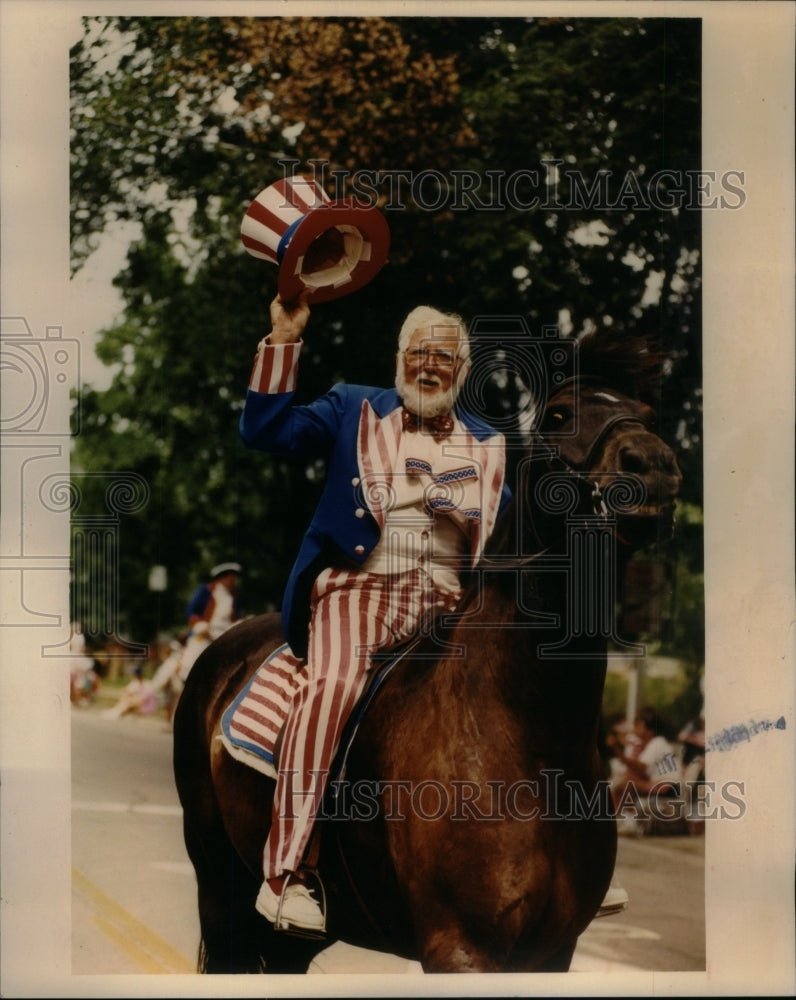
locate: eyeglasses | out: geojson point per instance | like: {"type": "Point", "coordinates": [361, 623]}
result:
{"type": "Point", "coordinates": [436, 357]}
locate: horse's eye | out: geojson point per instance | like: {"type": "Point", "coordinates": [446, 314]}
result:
{"type": "Point", "coordinates": [554, 420]}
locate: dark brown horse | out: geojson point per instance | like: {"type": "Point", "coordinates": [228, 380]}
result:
{"type": "Point", "coordinates": [472, 830]}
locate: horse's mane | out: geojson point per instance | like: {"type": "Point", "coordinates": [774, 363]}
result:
{"type": "Point", "coordinates": [630, 362]}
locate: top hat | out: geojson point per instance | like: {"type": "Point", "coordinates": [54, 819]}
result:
{"type": "Point", "coordinates": [324, 248]}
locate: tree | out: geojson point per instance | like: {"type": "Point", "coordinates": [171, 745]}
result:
{"type": "Point", "coordinates": [452, 126]}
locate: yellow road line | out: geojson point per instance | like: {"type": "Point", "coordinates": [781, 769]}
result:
{"type": "Point", "coordinates": [127, 946]}
{"type": "Point", "coordinates": [136, 940]}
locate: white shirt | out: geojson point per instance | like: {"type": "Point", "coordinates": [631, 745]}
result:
{"type": "Point", "coordinates": [659, 760]}
{"type": "Point", "coordinates": [417, 531]}
{"type": "Point", "coordinates": [223, 607]}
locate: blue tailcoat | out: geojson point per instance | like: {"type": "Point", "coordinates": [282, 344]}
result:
{"type": "Point", "coordinates": [343, 531]}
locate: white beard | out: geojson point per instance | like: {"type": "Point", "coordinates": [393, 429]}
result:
{"type": "Point", "coordinates": [423, 404]}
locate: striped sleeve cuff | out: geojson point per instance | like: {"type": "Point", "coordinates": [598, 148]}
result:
{"type": "Point", "coordinates": [275, 367]}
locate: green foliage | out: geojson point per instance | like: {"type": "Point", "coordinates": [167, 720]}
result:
{"type": "Point", "coordinates": [676, 625]}
{"type": "Point", "coordinates": [676, 699]}
{"type": "Point", "coordinates": [177, 122]}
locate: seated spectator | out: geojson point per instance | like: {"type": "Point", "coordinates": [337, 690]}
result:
{"type": "Point", "coordinates": [84, 679]}
{"type": "Point", "coordinates": [139, 696]}
{"type": "Point", "coordinates": [651, 771]}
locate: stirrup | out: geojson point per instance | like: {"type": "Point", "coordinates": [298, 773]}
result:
{"type": "Point", "coordinates": [302, 932]}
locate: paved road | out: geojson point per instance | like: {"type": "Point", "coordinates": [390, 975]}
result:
{"type": "Point", "coordinates": [134, 908]}
{"type": "Point", "coordinates": [133, 898]}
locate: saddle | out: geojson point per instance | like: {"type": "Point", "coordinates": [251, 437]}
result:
{"type": "Point", "coordinates": [253, 739]}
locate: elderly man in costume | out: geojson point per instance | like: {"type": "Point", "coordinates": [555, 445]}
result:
{"type": "Point", "coordinates": [414, 486]}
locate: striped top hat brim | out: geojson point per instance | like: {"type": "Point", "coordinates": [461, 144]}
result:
{"type": "Point", "coordinates": [324, 248]}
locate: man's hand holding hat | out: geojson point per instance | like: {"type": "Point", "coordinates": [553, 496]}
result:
{"type": "Point", "coordinates": [288, 320]}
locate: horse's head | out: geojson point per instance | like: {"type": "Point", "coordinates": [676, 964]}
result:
{"type": "Point", "coordinates": [605, 440]}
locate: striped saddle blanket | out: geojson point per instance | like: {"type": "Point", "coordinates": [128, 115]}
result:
{"type": "Point", "coordinates": [251, 725]}
{"type": "Point", "coordinates": [253, 722]}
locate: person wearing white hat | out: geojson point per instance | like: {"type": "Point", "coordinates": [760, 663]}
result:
{"type": "Point", "coordinates": [216, 602]}
{"type": "Point", "coordinates": [413, 489]}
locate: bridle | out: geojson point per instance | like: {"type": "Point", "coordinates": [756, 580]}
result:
{"type": "Point", "coordinates": [574, 476]}
{"type": "Point", "coordinates": [578, 472]}
{"type": "Point", "coordinates": [585, 537]}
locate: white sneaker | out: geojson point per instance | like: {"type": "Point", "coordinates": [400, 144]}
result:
{"type": "Point", "coordinates": [299, 908]}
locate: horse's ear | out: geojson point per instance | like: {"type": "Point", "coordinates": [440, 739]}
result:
{"type": "Point", "coordinates": [652, 364]}
{"type": "Point", "coordinates": [629, 360]}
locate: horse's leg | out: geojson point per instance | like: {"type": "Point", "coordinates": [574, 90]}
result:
{"type": "Point", "coordinates": [560, 961]}
{"type": "Point", "coordinates": [449, 951]}
{"type": "Point", "coordinates": [244, 798]}
{"type": "Point", "coordinates": [479, 904]}
{"type": "Point", "coordinates": [235, 937]}
{"type": "Point", "coordinates": [449, 940]}
{"type": "Point", "coordinates": [451, 948]}
{"type": "Point", "coordinates": [232, 934]}
{"type": "Point", "coordinates": [226, 813]}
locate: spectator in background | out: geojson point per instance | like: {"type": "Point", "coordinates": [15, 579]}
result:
{"type": "Point", "coordinates": [216, 602]}
{"type": "Point", "coordinates": [214, 607]}
{"type": "Point", "coordinates": [692, 747]}
{"type": "Point", "coordinates": [651, 767]}
{"type": "Point", "coordinates": [166, 680]}
{"type": "Point", "coordinates": [139, 696]}
{"type": "Point", "coordinates": [84, 679]}
{"type": "Point", "coordinates": [616, 732]}
{"type": "Point", "coordinates": [692, 739]}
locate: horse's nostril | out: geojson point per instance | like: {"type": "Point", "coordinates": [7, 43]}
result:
{"type": "Point", "coordinates": [632, 460]}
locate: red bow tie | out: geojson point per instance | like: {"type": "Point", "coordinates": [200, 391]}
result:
{"type": "Point", "coordinates": [438, 427]}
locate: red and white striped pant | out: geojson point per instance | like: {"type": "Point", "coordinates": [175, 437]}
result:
{"type": "Point", "coordinates": [353, 614]}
